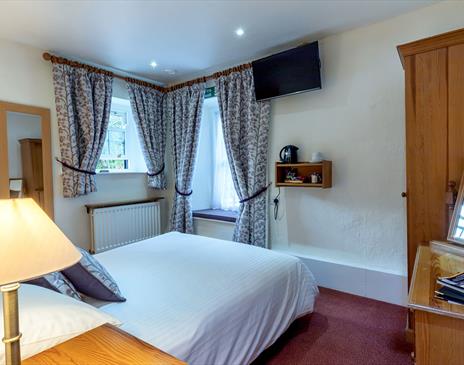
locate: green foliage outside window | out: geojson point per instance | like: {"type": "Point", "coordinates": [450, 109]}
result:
{"type": "Point", "coordinates": [113, 164]}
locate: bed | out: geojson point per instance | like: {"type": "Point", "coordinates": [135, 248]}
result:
{"type": "Point", "coordinates": [207, 301]}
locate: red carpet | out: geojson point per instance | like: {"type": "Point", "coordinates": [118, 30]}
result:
{"type": "Point", "coordinates": [343, 330]}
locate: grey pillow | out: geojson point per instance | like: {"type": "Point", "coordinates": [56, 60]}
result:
{"type": "Point", "coordinates": [90, 278]}
{"type": "Point", "coordinates": [58, 282]}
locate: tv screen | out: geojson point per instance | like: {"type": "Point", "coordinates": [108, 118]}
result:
{"type": "Point", "coordinates": [289, 72]}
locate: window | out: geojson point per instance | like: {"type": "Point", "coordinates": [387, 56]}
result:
{"type": "Point", "coordinates": [459, 232]}
{"type": "Point", "coordinates": [224, 194]}
{"type": "Point", "coordinates": [212, 180]}
{"type": "Point", "coordinates": [121, 151]}
{"type": "Point", "coordinates": [113, 156]}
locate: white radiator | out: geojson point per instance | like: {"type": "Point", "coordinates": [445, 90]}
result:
{"type": "Point", "coordinates": [119, 225]}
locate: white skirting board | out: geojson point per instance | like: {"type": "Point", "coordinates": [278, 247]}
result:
{"type": "Point", "coordinates": [383, 286]}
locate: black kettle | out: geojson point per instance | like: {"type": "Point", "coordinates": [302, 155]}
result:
{"type": "Point", "coordinates": [288, 154]}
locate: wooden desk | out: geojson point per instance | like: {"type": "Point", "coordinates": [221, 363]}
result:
{"type": "Point", "coordinates": [105, 345]}
{"type": "Point", "coordinates": [439, 326]}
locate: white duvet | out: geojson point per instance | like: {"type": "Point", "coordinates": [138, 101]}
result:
{"type": "Point", "coordinates": [207, 301]}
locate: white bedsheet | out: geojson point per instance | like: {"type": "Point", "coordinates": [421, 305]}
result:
{"type": "Point", "coordinates": [207, 301]}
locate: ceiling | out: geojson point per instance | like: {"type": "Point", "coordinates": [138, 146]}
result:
{"type": "Point", "coordinates": [190, 37]}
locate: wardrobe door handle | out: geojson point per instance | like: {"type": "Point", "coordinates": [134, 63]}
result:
{"type": "Point", "coordinates": [404, 194]}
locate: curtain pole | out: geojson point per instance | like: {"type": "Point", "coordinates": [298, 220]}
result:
{"type": "Point", "coordinates": [55, 59]}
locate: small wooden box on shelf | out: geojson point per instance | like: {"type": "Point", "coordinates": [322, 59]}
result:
{"type": "Point", "coordinates": [323, 168]}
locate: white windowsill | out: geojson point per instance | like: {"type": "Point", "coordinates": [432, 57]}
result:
{"type": "Point", "coordinates": [121, 173]}
{"type": "Point", "coordinates": [215, 215]}
{"type": "Point", "coordinates": [213, 221]}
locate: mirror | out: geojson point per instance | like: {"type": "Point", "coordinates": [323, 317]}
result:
{"type": "Point", "coordinates": [26, 161]}
{"type": "Point", "coordinates": [456, 228]}
{"type": "Point", "coordinates": [25, 164]}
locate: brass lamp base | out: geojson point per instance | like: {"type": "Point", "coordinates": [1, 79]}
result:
{"type": "Point", "coordinates": [11, 324]}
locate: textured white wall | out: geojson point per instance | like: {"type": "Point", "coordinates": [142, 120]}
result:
{"type": "Point", "coordinates": [356, 120]}
{"type": "Point", "coordinates": [27, 79]}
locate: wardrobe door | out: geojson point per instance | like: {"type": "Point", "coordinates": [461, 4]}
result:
{"type": "Point", "coordinates": [456, 112]}
{"type": "Point", "coordinates": [426, 148]}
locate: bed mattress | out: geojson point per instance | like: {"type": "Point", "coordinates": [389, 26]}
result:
{"type": "Point", "coordinates": [207, 301]}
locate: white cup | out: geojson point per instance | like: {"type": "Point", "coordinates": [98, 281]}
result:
{"type": "Point", "coordinates": [316, 157]}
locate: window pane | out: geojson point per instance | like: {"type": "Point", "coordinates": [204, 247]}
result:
{"type": "Point", "coordinates": [105, 150]}
{"type": "Point", "coordinates": [116, 138]}
{"type": "Point", "coordinates": [102, 165]}
{"type": "Point", "coordinates": [113, 164]}
{"type": "Point", "coordinates": [117, 143]}
{"type": "Point", "coordinates": [116, 164]}
{"type": "Point", "coordinates": [118, 120]}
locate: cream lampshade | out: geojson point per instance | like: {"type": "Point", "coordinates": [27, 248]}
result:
{"type": "Point", "coordinates": [31, 245]}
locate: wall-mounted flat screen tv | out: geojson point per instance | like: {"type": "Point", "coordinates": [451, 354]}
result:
{"type": "Point", "coordinates": [293, 71]}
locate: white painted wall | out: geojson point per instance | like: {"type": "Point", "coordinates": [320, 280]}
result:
{"type": "Point", "coordinates": [20, 126]}
{"type": "Point", "coordinates": [356, 120]}
{"type": "Point", "coordinates": [27, 79]}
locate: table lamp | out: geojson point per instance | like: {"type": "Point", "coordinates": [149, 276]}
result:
{"type": "Point", "coordinates": [31, 245]}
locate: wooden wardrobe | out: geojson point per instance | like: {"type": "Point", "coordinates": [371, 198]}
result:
{"type": "Point", "coordinates": [32, 168]}
{"type": "Point", "coordinates": [434, 80]}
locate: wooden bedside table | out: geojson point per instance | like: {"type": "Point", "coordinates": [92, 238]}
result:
{"type": "Point", "coordinates": [105, 345]}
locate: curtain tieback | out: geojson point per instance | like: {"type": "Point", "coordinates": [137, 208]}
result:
{"type": "Point", "coordinates": [182, 193]}
{"type": "Point", "coordinates": [255, 195]}
{"type": "Point", "coordinates": [157, 172]}
{"type": "Point", "coordinates": [75, 168]}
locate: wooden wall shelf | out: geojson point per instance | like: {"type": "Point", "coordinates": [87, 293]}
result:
{"type": "Point", "coordinates": [324, 168]}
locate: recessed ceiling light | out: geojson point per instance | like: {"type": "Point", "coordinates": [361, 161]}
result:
{"type": "Point", "coordinates": [239, 31]}
{"type": "Point", "coordinates": [170, 71]}
{"type": "Point", "coordinates": [153, 64]}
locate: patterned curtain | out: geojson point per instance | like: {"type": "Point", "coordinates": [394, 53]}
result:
{"type": "Point", "coordinates": [147, 107]}
{"type": "Point", "coordinates": [245, 124]}
{"type": "Point", "coordinates": [83, 102]}
{"type": "Point", "coordinates": [183, 113]}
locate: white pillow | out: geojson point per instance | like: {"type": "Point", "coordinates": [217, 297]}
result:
{"type": "Point", "coordinates": [48, 318]}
